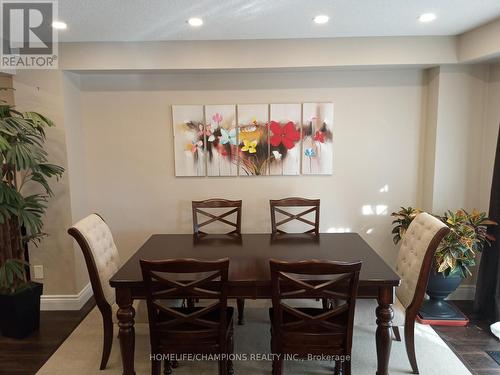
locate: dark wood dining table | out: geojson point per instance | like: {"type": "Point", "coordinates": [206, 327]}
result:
{"type": "Point", "coordinates": [249, 274]}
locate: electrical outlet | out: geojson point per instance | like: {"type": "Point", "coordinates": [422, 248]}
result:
{"type": "Point", "coordinates": [38, 272]}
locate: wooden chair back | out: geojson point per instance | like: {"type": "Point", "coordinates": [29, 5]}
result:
{"type": "Point", "coordinates": [200, 207]}
{"type": "Point", "coordinates": [276, 206]}
{"type": "Point", "coordinates": [305, 331]}
{"type": "Point", "coordinates": [190, 327]}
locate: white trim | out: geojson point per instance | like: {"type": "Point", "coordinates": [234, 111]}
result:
{"type": "Point", "coordinates": [51, 302]}
{"type": "Point", "coordinates": [463, 292]}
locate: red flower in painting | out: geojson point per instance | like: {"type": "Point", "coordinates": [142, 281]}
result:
{"type": "Point", "coordinates": [287, 134]}
{"type": "Point", "coordinates": [319, 136]}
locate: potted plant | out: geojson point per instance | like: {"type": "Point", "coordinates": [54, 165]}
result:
{"type": "Point", "coordinates": [454, 256]}
{"type": "Point", "coordinates": [24, 166]}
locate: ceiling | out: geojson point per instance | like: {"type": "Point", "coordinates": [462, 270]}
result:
{"type": "Point", "coordinates": [154, 20]}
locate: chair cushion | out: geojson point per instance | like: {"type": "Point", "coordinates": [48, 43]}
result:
{"type": "Point", "coordinates": [100, 240]}
{"type": "Point", "coordinates": [414, 246]}
{"type": "Point", "coordinates": [364, 315]}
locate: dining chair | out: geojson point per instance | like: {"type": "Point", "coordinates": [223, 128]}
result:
{"type": "Point", "coordinates": [200, 208]}
{"type": "Point", "coordinates": [413, 265]}
{"type": "Point", "coordinates": [188, 330]}
{"type": "Point", "coordinates": [304, 331]}
{"type": "Point", "coordinates": [278, 205]}
{"type": "Point", "coordinates": [234, 207]}
{"type": "Point", "coordinates": [102, 259]}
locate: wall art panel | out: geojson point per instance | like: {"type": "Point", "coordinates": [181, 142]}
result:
{"type": "Point", "coordinates": [189, 140]}
{"type": "Point", "coordinates": [253, 138]}
{"type": "Point", "coordinates": [284, 139]}
{"type": "Point", "coordinates": [317, 144]}
{"type": "Point", "coordinates": [222, 140]}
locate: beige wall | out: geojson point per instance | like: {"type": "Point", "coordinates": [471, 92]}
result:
{"type": "Point", "coordinates": [43, 91]}
{"type": "Point", "coordinates": [490, 134]}
{"type": "Point", "coordinates": [129, 157]}
{"type": "Point", "coordinates": [6, 82]}
{"type": "Point", "coordinates": [460, 118]}
{"type": "Point", "coordinates": [430, 104]}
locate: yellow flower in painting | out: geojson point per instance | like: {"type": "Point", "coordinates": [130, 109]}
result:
{"type": "Point", "coordinates": [249, 146]}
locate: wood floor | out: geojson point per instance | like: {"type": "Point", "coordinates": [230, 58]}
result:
{"type": "Point", "coordinates": [470, 343]}
{"type": "Point", "coordinates": [25, 357]}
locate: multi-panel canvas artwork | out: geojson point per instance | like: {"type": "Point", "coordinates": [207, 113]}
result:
{"type": "Point", "coordinates": [317, 146]}
{"type": "Point", "coordinates": [253, 139]}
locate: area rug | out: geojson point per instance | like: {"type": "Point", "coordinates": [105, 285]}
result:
{"type": "Point", "coordinates": [80, 354]}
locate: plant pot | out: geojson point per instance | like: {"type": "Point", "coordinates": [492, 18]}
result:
{"type": "Point", "coordinates": [438, 289]}
{"type": "Point", "coordinates": [20, 312]}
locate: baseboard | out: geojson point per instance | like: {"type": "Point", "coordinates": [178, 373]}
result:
{"type": "Point", "coordinates": [53, 302]}
{"type": "Point", "coordinates": [464, 292]}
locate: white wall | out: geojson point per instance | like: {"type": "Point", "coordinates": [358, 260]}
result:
{"type": "Point", "coordinates": [129, 156]}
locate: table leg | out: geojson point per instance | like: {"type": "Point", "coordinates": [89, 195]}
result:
{"type": "Point", "coordinates": [384, 323]}
{"type": "Point", "coordinates": [126, 334]}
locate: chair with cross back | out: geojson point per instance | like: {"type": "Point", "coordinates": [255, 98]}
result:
{"type": "Point", "coordinates": [310, 205]}
{"type": "Point", "coordinates": [304, 331]}
{"type": "Point", "coordinates": [188, 330]}
{"type": "Point", "coordinates": [202, 207]}
{"type": "Point", "coordinates": [211, 209]}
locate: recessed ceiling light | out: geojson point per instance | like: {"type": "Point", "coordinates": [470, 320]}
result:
{"type": "Point", "coordinates": [59, 25]}
{"type": "Point", "coordinates": [427, 17]}
{"type": "Point", "coordinates": [195, 22]}
{"type": "Point", "coordinates": [322, 18]}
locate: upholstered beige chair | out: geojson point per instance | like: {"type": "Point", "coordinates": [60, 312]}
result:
{"type": "Point", "coordinates": [413, 266]}
{"type": "Point", "coordinates": [102, 259]}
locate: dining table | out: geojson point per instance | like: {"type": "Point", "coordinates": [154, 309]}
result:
{"type": "Point", "coordinates": [249, 274]}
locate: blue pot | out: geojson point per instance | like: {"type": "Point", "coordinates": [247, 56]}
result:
{"type": "Point", "coordinates": [438, 289]}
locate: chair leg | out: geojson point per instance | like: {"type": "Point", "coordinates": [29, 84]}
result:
{"type": "Point", "coordinates": [346, 368]}
{"type": "Point", "coordinates": [336, 371]}
{"type": "Point", "coordinates": [167, 368]}
{"type": "Point", "coordinates": [395, 331]}
{"type": "Point", "coordinates": [108, 339]}
{"type": "Point", "coordinates": [410, 343]}
{"type": "Point", "coordinates": [155, 367]}
{"type": "Point", "coordinates": [241, 311]}
{"type": "Point", "coordinates": [278, 366]}
{"type": "Point", "coordinates": [326, 303]}
{"type": "Point", "coordinates": [222, 367]}
{"type": "Point", "coordinates": [230, 368]}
